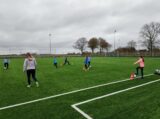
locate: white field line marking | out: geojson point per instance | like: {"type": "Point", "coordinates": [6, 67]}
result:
{"type": "Point", "coordinates": [104, 96]}
{"type": "Point", "coordinates": [81, 112]}
{"type": "Point", "coordinates": [63, 94]}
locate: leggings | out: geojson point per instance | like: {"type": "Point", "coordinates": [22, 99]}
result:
{"type": "Point", "coordinates": [6, 65]}
{"type": "Point", "coordinates": [55, 64]}
{"type": "Point", "coordinates": [86, 66]}
{"type": "Point", "coordinates": [33, 73]}
{"type": "Point", "coordinates": [89, 63]}
{"type": "Point", "coordinates": [66, 62]}
{"type": "Point", "coordinates": [141, 68]}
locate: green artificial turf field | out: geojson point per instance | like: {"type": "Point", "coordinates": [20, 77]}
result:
{"type": "Point", "coordinates": [139, 103]}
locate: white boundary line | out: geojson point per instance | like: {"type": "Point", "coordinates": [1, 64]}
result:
{"type": "Point", "coordinates": [104, 96]}
{"type": "Point", "coordinates": [63, 94]}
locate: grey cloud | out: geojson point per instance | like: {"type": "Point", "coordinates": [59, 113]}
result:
{"type": "Point", "coordinates": [27, 23]}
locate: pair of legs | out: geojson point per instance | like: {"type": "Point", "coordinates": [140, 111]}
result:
{"type": "Point", "coordinates": [137, 71]}
{"type": "Point", "coordinates": [6, 65]}
{"type": "Point", "coordinates": [89, 64]}
{"type": "Point", "coordinates": [31, 72]}
{"type": "Point", "coordinates": [56, 65]}
{"type": "Point", "coordinates": [86, 66]}
{"type": "Point", "coordinates": [66, 62]}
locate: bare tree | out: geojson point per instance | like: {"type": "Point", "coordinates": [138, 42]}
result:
{"type": "Point", "coordinates": [81, 44]}
{"type": "Point", "coordinates": [132, 44]}
{"type": "Point", "coordinates": [150, 33]}
{"type": "Point", "coordinates": [93, 44]}
{"type": "Point", "coordinates": [103, 44]}
{"type": "Point", "coordinates": [108, 47]}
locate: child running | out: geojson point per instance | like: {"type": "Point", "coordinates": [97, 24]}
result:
{"type": "Point", "coordinates": [55, 63]}
{"type": "Point", "coordinates": [6, 63]}
{"type": "Point", "coordinates": [66, 61]}
{"type": "Point", "coordinates": [30, 68]}
{"type": "Point", "coordinates": [141, 66]}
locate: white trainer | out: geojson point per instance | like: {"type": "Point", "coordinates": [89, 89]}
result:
{"type": "Point", "coordinates": [37, 84]}
{"type": "Point", "coordinates": [28, 86]}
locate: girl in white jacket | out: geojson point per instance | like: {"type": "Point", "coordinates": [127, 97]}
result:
{"type": "Point", "coordinates": [29, 67]}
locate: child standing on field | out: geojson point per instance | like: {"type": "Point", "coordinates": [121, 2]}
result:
{"type": "Point", "coordinates": [89, 62]}
{"type": "Point", "coordinates": [29, 67]}
{"type": "Point", "coordinates": [86, 63]}
{"type": "Point", "coordinates": [140, 61]}
{"type": "Point", "coordinates": [6, 63]}
{"type": "Point", "coordinates": [55, 62]}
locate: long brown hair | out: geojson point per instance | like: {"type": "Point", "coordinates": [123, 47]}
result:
{"type": "Point", "coordinates": [142, 58]}
{"type": "Point", "coordinates": [29, 56]}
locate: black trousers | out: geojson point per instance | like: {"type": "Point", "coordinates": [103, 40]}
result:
{"type": "Point", "coordinates": [86, 66]}
{"type": "Point", "coordinates": [6, 65]}
{"type": "Point", "coordinates": [137, 71]}
{"type": "Point", "coordinates": [66, 62]}
{"type": "Point", "coordinates": [56, 65]}
{"type": "Point", "coordinates": [31, 72]}
{"type": "Point", "coordinates": [89, 63]}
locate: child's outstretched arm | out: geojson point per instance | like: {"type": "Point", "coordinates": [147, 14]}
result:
{"type": "Point", "coordinates": [137, 62]}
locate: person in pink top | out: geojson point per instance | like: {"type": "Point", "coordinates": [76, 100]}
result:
{"type": "Point", "coordinates": [141, 66]}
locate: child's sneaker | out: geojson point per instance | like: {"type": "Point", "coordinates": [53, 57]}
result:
{"type": "Point", "coordinates": [28, 86]}
{"type": "Point", "coordinates": [37, 84]}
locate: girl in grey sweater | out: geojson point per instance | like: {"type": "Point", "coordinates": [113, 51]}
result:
{"type": "Point", "coordinates": [29, 67]}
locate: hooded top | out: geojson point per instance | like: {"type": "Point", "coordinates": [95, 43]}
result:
{"type": "Point", "coordinates": [86, 60]}
{"type": "Point", "coordinates": [29, 63]}
{"type": "Point", "coordinates": [6, 60]}
{"type": "Point", "coordinates": [55, 60]}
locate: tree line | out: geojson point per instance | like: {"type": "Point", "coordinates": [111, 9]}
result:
{"type": "Point", "coordinates": [150, 40]}
{"type": "Point", "coordinates": [93, 43]}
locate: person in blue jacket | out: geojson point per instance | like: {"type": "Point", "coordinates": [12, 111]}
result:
{"type": "Point", "coordinates": [55, 63]}
{"type": "Point", "coordinates": [86, 63]}
{"type": "Point", "coordinates": [89, 62]}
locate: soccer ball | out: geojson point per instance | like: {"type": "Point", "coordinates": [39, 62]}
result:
{"type": "Point", "coordinates": [135, 75]}
{"type": "Point", "coordinates": [157, 71]}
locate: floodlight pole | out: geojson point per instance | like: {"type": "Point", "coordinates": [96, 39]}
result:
{"type": "Point", "coordinates": [119, 43]}
{"type": "Point", "coordinates": [115, 41]}
{"type": "Point", "coordinates": [50, 44]}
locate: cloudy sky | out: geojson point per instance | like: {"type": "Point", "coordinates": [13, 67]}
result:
{"type": "Point", "coordinates": [25, 24]}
